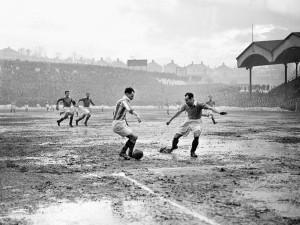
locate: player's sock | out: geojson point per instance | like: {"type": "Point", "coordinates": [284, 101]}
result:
{"type": "Point", "coordinates": [131, 147]}
{"type": "Point", "coordinates": [86, 119]}
{"type": "Point", "coordinates": [80, 118]}
{"type": "Point", "coordinates": [213, 119]}
{"type": "Point", "coordinates": [60, 120]}
{"type": "Point", "coordinates": [71, 120]}
{"type": "Point", "coordinates": [125, 147]}
{"type": "Point", "coordinates": [174, 143]}
{"type": "Point", "coordinates": [194, 146]}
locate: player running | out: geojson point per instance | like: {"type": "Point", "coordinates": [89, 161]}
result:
{"type": "Point", "coordinates": [192, 124]}
{"type": "Point", "coordinates": [68, 110]}
{"type": "Point", "coordinates": [210, 103]}
{"type": "Point", "coordinates": [120, 125]}
{"type": "Point", "coordinates": [86, 111]}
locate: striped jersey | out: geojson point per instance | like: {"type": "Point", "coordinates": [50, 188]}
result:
{"type": "Point", "coordinates": [122, 107]}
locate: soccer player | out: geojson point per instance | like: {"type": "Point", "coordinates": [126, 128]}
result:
{"type": "Point", "coordinates": [193, 123]}
{"type": "Point", "coordinates": [211, 103]}
{"type": "Point", "coordinates": [120, 125]}
{"type": "Point", "coordinates": [68, 110]}
{"type": "Point", "coordinates": [86, 111]}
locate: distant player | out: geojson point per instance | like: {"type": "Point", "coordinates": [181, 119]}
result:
{"type": "Point", "coordinates": [68, 110]}
{"type": "Point", "coordinates": [86, 111]}
{"type": "Point", "coordinates": [13, 107]}
{"type": "Point", "coordinates": [208, 113]}
{"type": "Point", "coordinates": [120, 125]}
{"type": "Point", "coordinates": [192, 124]}
{"type": "Point", "coordinates": [26, 107]}
{"type": "Point", "coordinates": [47, 107]}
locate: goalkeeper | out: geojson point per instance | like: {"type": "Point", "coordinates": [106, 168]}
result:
{"type": "Point", "coordinates": [192, 124]}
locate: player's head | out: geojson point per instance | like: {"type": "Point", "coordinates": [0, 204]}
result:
{"type": "Point", "coordinates": [129, 92]}
{"type": "Point", "coordinates": [87, 95]}
{"type": "Point", "coordinates": [210, 97]}
{"type": "Point", "coordinates": [67, 93]}
{"type": "Point", "coordinates": [189, 98]}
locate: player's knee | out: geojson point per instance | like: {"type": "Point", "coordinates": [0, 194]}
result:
{"type": "Point", "coordinates": [133, 138]}
{"type": "Point", "coordinates": [177, 136]}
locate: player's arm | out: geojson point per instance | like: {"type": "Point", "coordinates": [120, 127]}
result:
{"type": "Point", "coordinates": [73, 102]}
{"type": "Point", "coordinates": [131, 111]}
{"type": "Point", "coordinates": [176, 114]}
{"type": "Point", "coordinates": [79, 101]}
{"type": "Point", "coordinates": [92, 102]}
{"type": "Point", "coordinates": [58, 101]}
{"type": "Point", "coordinates": [215, 111]}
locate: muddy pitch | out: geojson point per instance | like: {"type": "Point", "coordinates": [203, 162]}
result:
{"type": "Point", "coordinates": [247, 171]}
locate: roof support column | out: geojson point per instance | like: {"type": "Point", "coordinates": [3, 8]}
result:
{"type": "Point", "coordinates": [285, 80]}
{"type": "Point", "coordinates": [250, 82]}
{"type": "Point", "coordinates": [297, 69]}
{"type": "Point", "coordinates": [285, 73]}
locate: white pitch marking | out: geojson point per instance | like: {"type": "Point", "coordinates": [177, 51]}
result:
{"type": "Point", "coordinates": [183, 208]}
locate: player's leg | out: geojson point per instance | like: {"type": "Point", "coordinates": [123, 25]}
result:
{"type": "Point", "coordinates": [87, 118]}
{"type": "Point", "coordinates": [195, 143]}
{"type": "Point", "coordinates": [175, 141]}
{"type": "Point", "coordinates": [131, 143]}
{"type": "Point", "coordinates": [80, 118]}
{"type": "Point", "coordinates": [120, 128]}
{"type": "Point", "coordinates": [174, 144]}
{"type": "Point", "coordinates": [71, 119]}
{"type": "Point", "coordinates": [62, 119]}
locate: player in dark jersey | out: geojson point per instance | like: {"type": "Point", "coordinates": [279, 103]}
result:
{"type": "Point", "coordinates": [68, 109]}
{"type": "Point", "coordinates": [86, 111]}
{"type": "Point", "coordinates": [192, 124]}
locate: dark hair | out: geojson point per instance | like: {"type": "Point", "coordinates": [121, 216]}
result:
{"type": "Point", "coordinates": [66, 92]}
{"type": "Point", "coordinates": [189, 94]}
{"type": "Point", "coordinates": [128, 90]}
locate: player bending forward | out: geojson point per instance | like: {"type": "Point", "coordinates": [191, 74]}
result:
{"type": "Point", "coordinates": [192, 124]}
{"type": "Point", "coordinates": [119, 123]}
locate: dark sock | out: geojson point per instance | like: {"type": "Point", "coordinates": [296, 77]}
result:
{"type": "Point", "coordinates": [62, 119]}
{"type": "Point", "coordinates": [71, 120]}
{"type": "Point", "coordinates": [131, 146]}
{"type": "Point", "coordinates": [174, 143]}
{"type": "Point", "coordinates": [125, 147]}
{"type": "Point", "coordinates": [86, 119]}
{"type": "Point", "coordinates": [195, 144]}
{"type": "Point", "coordinates": [80, 118]}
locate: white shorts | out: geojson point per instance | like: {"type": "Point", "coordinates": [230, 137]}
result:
{"type": "Point", "coordinates": [190, 125]}
{"type": "Point", "coordinates": [85, 110]}
{"type": "Point", "coordinates": [120, 127]}
{"type": "Point", "coordinates": [68, 110]}
{"type": "Point", "coordinates": [207, 112]}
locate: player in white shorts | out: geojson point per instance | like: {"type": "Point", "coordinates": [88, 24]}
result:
{"type": "Point", "coordinates": [120, 125]}
{"type": "Point", "coordinates": [208, 113]}
{"type": "Point", "coordinates": [86, 111]}
{"type": "Point", "coordinates": [192, 124]}
{"type": "Point", "coordinates": [68, 109]}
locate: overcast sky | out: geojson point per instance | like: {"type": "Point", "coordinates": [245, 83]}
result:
{"type": "Point", "coordinates": [212, 31]}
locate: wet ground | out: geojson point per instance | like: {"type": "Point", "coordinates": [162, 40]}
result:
{"type": "Point", "coordinates": [247, 171]}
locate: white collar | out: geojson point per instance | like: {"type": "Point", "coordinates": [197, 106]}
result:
{"type": "Point", "coordinates": [126, 98]}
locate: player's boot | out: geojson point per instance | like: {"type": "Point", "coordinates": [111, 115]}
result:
{"type": "Point", "coordinates": [86, 119]}
{"type": "Point", "coordinates": [59, 121]}
{"type": "Point", "coordinates": [193, 155]}
{"type": "Point", "coordinates": [124, 156]}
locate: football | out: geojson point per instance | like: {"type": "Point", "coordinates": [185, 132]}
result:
{"type": "Point", "coordinates": [137, 154]}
